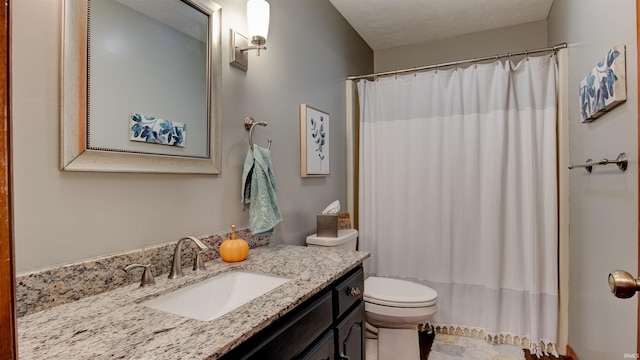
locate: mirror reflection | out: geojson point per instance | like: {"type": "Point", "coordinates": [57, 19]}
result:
{"type": "Point", "coordinates": [147, 74]}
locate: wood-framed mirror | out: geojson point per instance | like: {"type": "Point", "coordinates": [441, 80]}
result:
{"type": "Point", "coordinates": [140, 86]}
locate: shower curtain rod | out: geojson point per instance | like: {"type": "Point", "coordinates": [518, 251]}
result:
{"type": "Point", "coordinates": [455, 63]}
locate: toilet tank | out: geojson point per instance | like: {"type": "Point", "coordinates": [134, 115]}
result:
{"type": "Point", "coordinates": [346, 239]}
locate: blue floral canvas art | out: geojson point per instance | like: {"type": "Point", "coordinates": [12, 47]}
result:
{"type": "Point", "coordinates": [151, 129]}
{"type": "Point", "coordinates": [605, 85]}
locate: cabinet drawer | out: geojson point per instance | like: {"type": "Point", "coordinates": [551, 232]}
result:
{"type": "Point", "coordinates": [348, 292]}
{"type": "Point", "coordinates": [308, 325]}
{"type": "Point", "coordinates": [322, 349]}
{"type": "Point", "coordinates": [288, 337]}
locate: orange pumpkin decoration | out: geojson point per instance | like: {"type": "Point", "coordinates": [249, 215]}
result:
{"type": "Point", "coordinates": [234, 249]}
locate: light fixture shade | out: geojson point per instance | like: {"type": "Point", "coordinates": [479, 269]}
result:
{"type": "Point", "coordinates": [258, 21]}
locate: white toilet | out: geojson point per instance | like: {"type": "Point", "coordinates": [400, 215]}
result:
{"type": "Point", "coordinates": [394, 308]}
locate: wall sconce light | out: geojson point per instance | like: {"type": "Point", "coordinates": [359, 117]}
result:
{"type": "Point", "coordinates": [258, 23]}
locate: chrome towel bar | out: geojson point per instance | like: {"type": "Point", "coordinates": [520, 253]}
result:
{"type": "Point", "coordinates": [622, 160]}
{"type": "Point", "coordinates": [249, 124]}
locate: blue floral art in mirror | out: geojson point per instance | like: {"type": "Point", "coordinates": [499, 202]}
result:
{"type": "Point", "coordinates": [154, 130]}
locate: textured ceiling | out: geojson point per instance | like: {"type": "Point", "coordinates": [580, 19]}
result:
{"type": "Point", "coordinates": [386, 24]}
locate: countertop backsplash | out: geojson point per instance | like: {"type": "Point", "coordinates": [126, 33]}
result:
{"type": "Point", "coordinates": [44, 289]}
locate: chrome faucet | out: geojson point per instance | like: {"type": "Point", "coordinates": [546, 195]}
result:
{"type": "Point", "coordinates": [176, 267]}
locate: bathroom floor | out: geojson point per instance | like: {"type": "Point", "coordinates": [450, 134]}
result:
{"type": "Point", "coordinates": [453, 347]}
{"type": "Point", "coordinates": [450, 347]}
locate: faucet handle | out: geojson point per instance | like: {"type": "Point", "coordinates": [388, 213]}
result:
{"type": "Point", "coordinates": [147, 275]}
{"type": "Point", "coordinates": [198, 263]}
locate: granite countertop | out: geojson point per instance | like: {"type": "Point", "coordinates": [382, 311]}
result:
{"type": "Point", "coordinates": [114, 325]}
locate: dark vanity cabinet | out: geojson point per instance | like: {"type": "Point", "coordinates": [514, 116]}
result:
{"type": "Point", "coordinates": [330, 326]}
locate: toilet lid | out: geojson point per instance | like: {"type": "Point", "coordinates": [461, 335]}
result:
{"type": "Point", "coordinates": [398, 293]}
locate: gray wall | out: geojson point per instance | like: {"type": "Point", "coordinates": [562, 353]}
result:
{"type": "Point", "coordinates": [603, 205]}
{"type": "Point", "coordinates": [62, 217]}
{"type": "Point", "coordinates": [486, 43]}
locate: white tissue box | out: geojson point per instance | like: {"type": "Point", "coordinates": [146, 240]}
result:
{"type": "Point", "coordinates": [327, 225]}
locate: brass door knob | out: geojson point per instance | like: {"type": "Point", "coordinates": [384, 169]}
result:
{"type": "Point", "coordinates": [622, 284]}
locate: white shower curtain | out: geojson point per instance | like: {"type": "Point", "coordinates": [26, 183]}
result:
{"type": "Point", "coordinates": [458, 190]}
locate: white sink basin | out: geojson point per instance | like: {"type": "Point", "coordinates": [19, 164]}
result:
{"type": "Point", "coordinates": [212, 298]}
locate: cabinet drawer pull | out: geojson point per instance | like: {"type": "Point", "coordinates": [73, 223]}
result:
{"type": "Point", "coordinates": [344, 357]}
{"type": "Point", "coordinates": [354, 291]}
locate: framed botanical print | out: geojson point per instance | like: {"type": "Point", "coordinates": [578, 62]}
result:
{"type": "Point", "coordinates": [314, 141]}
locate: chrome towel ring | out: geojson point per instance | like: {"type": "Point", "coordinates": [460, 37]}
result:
{"type": "Point", "coordinates": [249, 124]}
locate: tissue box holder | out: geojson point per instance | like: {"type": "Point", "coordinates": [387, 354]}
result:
{"type": "Point", "coordinates": [327, 225]}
